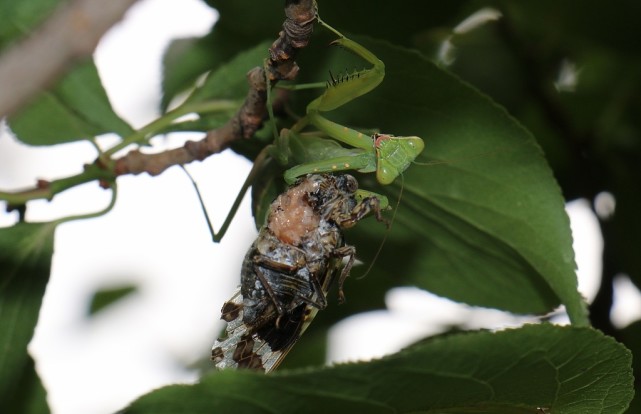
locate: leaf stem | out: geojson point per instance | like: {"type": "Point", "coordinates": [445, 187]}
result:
{"type": "Point", "coordinates": [141, 136]}
{"type": "Point", "coordinates": [301, 86]}
{"type": "Point", "coordinates": [112, 203]}
{"type": "Point", "coordinates": [48, 189]}
{"type": "Point", "coordinates": [103, 169]}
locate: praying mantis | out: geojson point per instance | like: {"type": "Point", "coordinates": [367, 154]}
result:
{"type": "Point", "coordinates": [386, 155]}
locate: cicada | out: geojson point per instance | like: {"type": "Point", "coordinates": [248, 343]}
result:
{"type": "Point", "coordinates": [298, 255]}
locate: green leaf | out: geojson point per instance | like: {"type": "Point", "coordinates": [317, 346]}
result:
{"type": "Point", "coordinates": [243, 23]}
{"type": "Point", "coordinates": [631, 338]}
{"type": "Point", "coordinates": [258, 19]}
{"type": "Point", "coordinates": [204, 123]}
{"type": "Point", "coordinates": [487, 225]}
{"type": "Point", "coordinates": [107, 297]}
{"type": "Point", "coordinates": [229, 81]}
{"type": "Point", "coordinates": [623, 229]}
{"type": "Point", "coordinates": [76, 108]}
{"type": "Point", "coordinates": [187, 59]}
{"type": "Point", "coordinates": [561, 369]}
{"type": "Point", "coordinates": [594, 24]}
{"type": "Point", "coordinates": [183, 62]}
{"type": "Point", "coordinates": [18, 17]}
{"type": "Point", "coordinates": [25, 262]}
{"type": "Point", "coordinates": [250, 21]}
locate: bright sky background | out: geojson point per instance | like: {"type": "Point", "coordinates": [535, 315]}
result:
{"type": "Point", "coordinates": [156, 237]}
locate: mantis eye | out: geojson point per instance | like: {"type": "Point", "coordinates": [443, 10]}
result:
{"type": "Point", "coordinates": [384, 175]}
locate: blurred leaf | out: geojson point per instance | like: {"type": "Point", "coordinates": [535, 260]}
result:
{"type": "Point", "coordinates": [481, 58]}
{"type": "Point", "coordinates": [243, 23]}
{"type": "Point", "coordinates": [595, 23]}
{"type": "Point", "coordinates": [183, 62]}
{"type": "Point", "coordinates": [487, 226]}
{"type": "Point", "coordinates": [204, 123]}
{"type": "Point", "coordinates": [229, 81]}
{"type": "Point", "coordinates": [415, 15]}
{"type": "Point", "coordinates": [519, 62]}
{"type": "Point", "coordinates": [107, 297]}
{"type": "Point", "coordinates": [625, 235]}
{"type": "Point", "coordinates": [562, 369]}
{"type": "Point", "coordinates": [25, 262]}
{"type": "Point", "coordinates": [591, 131]}
{"type": "Point", "coordinates": [18, 17]}
{"type": "Point", "coordinates": [253, 21]}
{"type": "Point", "coordinates": [241, 26]}
{"type": "Point", "coordinates": [77, 108]}
{"type": "Point", "coordinates": [250, 21]}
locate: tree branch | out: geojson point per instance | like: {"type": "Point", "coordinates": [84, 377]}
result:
{"type": "Point", "coordinates": [297, 29]}
{"type": "Point", "coordinates": [295, 35]}
{"type": "Point", "coordinates": [70, 33]}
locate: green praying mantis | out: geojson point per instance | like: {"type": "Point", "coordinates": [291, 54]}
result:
{"type": "Point", "coordinates": [387, 155]}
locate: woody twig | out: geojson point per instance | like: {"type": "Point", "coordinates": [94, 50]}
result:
{"type": "Point", "coordinates": [281, 65]}
{"type": "Point", "coordinates": [295, 34]}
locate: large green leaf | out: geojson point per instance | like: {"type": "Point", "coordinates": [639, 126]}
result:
{"type": "Point", "coordinates": [538, 368]}
{"type": "Point", "coordinates": [487, 226]}
{"type": "Point", "coordinates": [25, 261]}
{"type": "Point", "coordinates": [77, 108]}
{"type": "Point", "coordinates": [589, 131]}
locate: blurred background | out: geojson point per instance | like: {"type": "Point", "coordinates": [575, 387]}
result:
{"type": "Point", "coordinates": [156, 241]}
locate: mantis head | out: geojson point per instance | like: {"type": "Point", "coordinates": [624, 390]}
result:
{"type": "Point", "coordinates": [394, 154]}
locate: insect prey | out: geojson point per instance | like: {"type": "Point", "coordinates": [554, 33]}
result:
{"type": "Point", "coordinates": [289, 269]}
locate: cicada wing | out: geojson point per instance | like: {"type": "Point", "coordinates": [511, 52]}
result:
{"type": "Point", "coordinates": [263, 348]}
